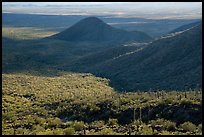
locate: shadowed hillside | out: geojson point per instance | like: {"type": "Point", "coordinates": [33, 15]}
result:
{"type": "Point", "coordinates": [175, 59]}
{"type": "Point", "coordinates": [187, 26]}
{"type": "Point", "coordinates": [168, 63]}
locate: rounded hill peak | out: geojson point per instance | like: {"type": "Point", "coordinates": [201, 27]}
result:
{"type": "Point", "coordinates": [94, 29]}
{"type": "Point", "coordinates": [91, 20]}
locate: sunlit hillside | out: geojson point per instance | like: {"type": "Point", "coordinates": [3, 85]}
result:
{"type": "Point", "coordinates": [84, 104]}
{"type": "Point", "coordinates": [25, 33]}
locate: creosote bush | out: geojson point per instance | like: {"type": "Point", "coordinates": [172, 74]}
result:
{"type": "Point", "coordinates": [69, 131]}
{"type": "Point", "coordinates": [200, 127]}
{"type": "Point", "coordinates": [78, 125]}
{"type": "Point", "coordinates": [188, 126]}
{"type": "Point", "coordinates": [166, 124]}
{"type": "Point", "coordinates": [112, 122]}
{"type": "Point", "coordinates": [186, 102]}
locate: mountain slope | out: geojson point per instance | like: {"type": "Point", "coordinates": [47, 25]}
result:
{"type": "Point", "coordinates": [94, 29]}
{"type": "Point", "coordinates": [187, 26]}
{"type": "Point", "coordinates": [168, 63]}
{"type": "Point", "coordinates": [83, 63]}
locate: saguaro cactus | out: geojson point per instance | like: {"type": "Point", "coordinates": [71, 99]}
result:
{"type": "Point", "coordinates": [140, 115]}
{"type": "Point", "coordinates": [129, 130]}
{"type": "Point", "coordinates": [134, 120]}
{"type": "Point", "coordinates": [185, 95]}
{"type": "Point", "coordinates": [148, 115]}
{"type": "Point", "coordinates": [118, 102]}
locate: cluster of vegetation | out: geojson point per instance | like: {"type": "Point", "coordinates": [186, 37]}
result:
{"type": "Point", "coordinates": [73, 103]}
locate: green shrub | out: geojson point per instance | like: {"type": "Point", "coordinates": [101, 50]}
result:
{"type": "Point", "coordinates": [186, 102]}
{"type": "Point", "coordinates": [200, 127]}
{"type": "Point", "coordinates": [19, 131]}
{"type": "Point", "coordinates": [136, 122]}
{"type": "Point", "coordinates": [58, 131]}
{"type": "Point", "coordinates": [37, 128]}
{"type": "Point", "coordinates": [94, 108]}
{"type": "Point", "coordinates": [69, 124]}
{"type": "Point", "coordinates": [188, 126]}
{"type": "Point", "coordinates": [47, 132]}
{"type": "Point", "coordinates": [112, 122]}
{"type": "Point", "coordinates": [99, 123]}
{"type": "Point", "coordinates": [9, 131]}
{"type": "Point", "coordinates": [169, 125]}
{"type": "Point", "coordinates": [106, 131]}
{"type": "Point", "coordinates": [166, 133]}
{"type": "Point", "coordinates": [69, 131]}
{"type": "Point", "coordinates": [168, 101]}
{"type": "Point", "coordinates": [157, 122]}
{"type": "Point", "coordinates": [146, 130]}
{"type": "Point", "coordinates": [54, 122]}
{"type": "Point", "coordinates": [40, 120]}
{"type": "Point", "coordinates": [78, 125]}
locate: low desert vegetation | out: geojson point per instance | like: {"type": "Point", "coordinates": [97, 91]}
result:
{"type": "Point", "coordinates": [26, 33]}
{"type": "Point", "coordinates": [80, 103]}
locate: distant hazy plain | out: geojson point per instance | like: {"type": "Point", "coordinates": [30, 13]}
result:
{"type": "Point", "coordinates": [153, 10]}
